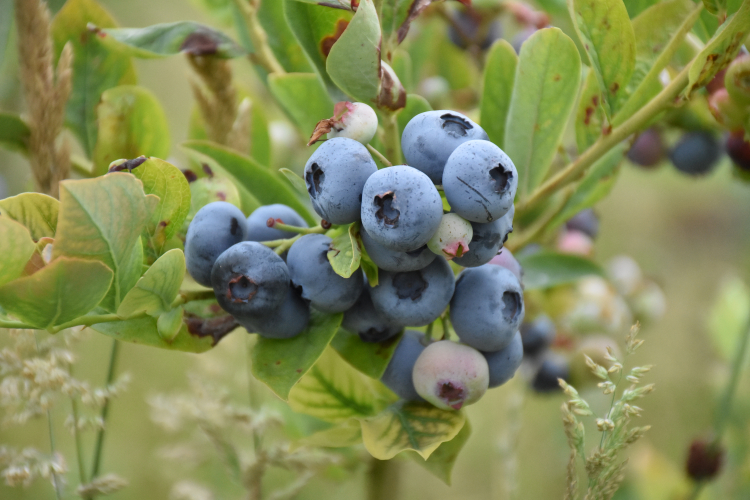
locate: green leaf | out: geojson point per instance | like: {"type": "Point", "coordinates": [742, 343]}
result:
{"type": "Point", "coordinates": [102, 219]}
{"type": "Point", "coordinates": [295, 180]}
{"type": "Point", "coordinates": [607, 35]}
{"type": "Point", "coordinates": [166, 181]}
{"type": "Point", "coordinates": [344, 253]}
{"type": "Point", "coordinates": [59, 292]}
{"type": "Point", "coordinates": [598, 182]}
{"type": "Point", "coordinates": [36, 211]}
{"type": "Point", "coordinates": [210, 189]}
{"type": "Point", "coordinates": [263, 184]}
{"type": "Point", "coordinates": [317, 29]}
{"type": "Point", "coordinates": [281, 363]}
{"type": "Point", "coordinates": [635, 7]}
{"type": "Point", "coordinates": [154, 293]}
{"type": "Point", "coordinates": [545, 91]}
{"type": "Point", "coordinates": [730, 316]}
{"type": "Point", "coordinates": [590, 117]}
{"type": "Point", "coordinates": [715, 6]}
{"type": "Point", "coordinates": [14, 133]}
{"type": "Point", "coordinates": [96, 67]}
{"type": "Point", "coordinates": [168, 39]}
{"type": "Point", "coordinates": [369, 358]}
{"type": "Point", "coordinates": [281, 39]}
{"type": "Point", "coordinates": [354, 61]}
{"type": "Point", "coordinates": [397, 16]}
{"type": "Point", "coordinates": [410, 426]}
{"type": "Point", "coordinates": [131, 123]}
{"type": "Point", "coordinates": [720, 50]}
{"type": "Point", "coordinates": [303, 97]}
{"type": "Point", "coordinates": [548, 269]}
{"type": "Point", "coordinates": [441, 462]}
{"type": "Point", "coordinates": [415, 104]}
{"type": "Point", "coordinates": [169, 324]}
{"type": "Point", "coordinates": [499, 74]}
{"type": "Point", "coordinates": [16, 248]}
{"type": "Point", "coordinates": [145, 331]}
{"type": "Point", "coordinates": [348, 433]}
{"type": "Point", "coordinates": [659, 31]}
{"type": "Point", "coordinates": [334, 392]}
{"type": "Point", "coordinates": [368, 266]}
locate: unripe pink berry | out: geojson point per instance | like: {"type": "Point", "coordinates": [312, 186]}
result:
{"type": "Point", "coordinates": [452, 237]}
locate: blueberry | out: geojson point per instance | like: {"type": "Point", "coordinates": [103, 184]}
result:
{"type": "Point", "coordinates": [696, 153]}
{"type": "Point", "coordinates": [487, 307]}
{"type": "Point", "coordinates": [504, 363]}
{"type": "Point", "coordinates": [505, 259]}
{"type": "Point", "coordinates": [287, 320]}
{"type": "Point", "coordinates": [487, 240]}
{"type": "Point", "coordinates": [414, 298]}
{"type": "Point", "coordinates": [397, 376]}
{"type": "Point", "coordinates": [451, 375]}
{"type": "Point", "coordinates": [467, 29]}
{"type": "Point", "coordinates": [648, 149]}
{"type": "Point", "coordinates": [401, 209]}
{"type": "Point", "coordinates": [363, 319]}
{"type": "Point", "coordinates": [552, 367]}
{"type": "Point", "coordinates": [391, 260]}
{"type": "Point", "coordinates": [249, 279]}
{"type": "Point", "coordinates": [480, 181]}
{"type": "Point", "coordinates": [257, 223]}
{"type": "Point", "coordinates": [430, 138]}
{"type": "Point", "coordinates": [335, 175]}
{"type": "Point", "coordinates": [216, 227]}
{"type": "Point", "coordinates": [357, 121]}
{"type": "Point", "coordinates": [584, 221]}
{"type": "Point", "coordinates": [537, 335]}
{"type": "Point", "coordinates": [310, 270]}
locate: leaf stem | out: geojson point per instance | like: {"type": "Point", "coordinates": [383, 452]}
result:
{"type": "Point", "coordinates": [263, 54]}
{"type": "Point", "coordinates": [89, 320]}
{"type": "Point", "coordinates": [379, 156]}
{"type": "Point", "coordinates": [525, 237]}
{"type": "Point", "coordinates": [185, 297]}
{"type": "Point", "coordinates": [578, 167]}
{"type": "Point", "coordinates": [390, 137]}
{"type": "Point", "coordinates": [296, 229]}
{"type": "Point", "coordinates": [16, 325]}
{"type": "Point", "coordinates": [105, 411]}
{"type": "Point", "coordinates": [77, 437]}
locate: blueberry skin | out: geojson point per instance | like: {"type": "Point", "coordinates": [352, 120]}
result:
{"type": "Point", "coordinates": [430, 138]}
{"type": "Point", "coordinates": [480, 181]}
{"type": "Point", "coordinates": [401, 209]}
{"type": "Point", "coordinates": [287, 320]}
{"type": "Point", "coordinates": [397, 376]}
{"type": "Point", "coordinates": [504, 363]}
{"type": "Point", "coordinates": [257, 222]}
{"type": "Point", "coordinates": [537, 335]}
{"type": "Point", "coordinates": [364, 320]}
{"type": "Point", "coordinates": [335, 175]}
{"type": "Point", "coordinates": [310, 269]}
{"type": "Point", "coordinates": [249, 279]}
{"type": "Point", "coordinates": [584, 221]}
{"type": "Point", "coordinates": [696, 153]}
{"type": "Point", "coordinates": [551, 368]}
{"type": "Point", "coordinates": [216, 227]}
{"type": "Point", "coordinates": [487, 307]}
{"type": "Point", "coordinates": [391, 260]}
{"type": "Point", "coordinates": [487, 241]}
{"type": "Point", "coordinates": [414, 298]}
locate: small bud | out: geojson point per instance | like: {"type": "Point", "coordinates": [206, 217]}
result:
{"type": "Point", "coordinates": [452, 237]}
{"type": "Point", "coordinates": [353, 120]}
{"type": "Point", "coordinates": [704, 460]}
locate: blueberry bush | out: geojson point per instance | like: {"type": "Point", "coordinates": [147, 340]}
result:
{"type": "Point", "coordinates": [431, 241]}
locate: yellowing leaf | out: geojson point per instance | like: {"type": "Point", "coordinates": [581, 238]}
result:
{"type": "Point", "coordinates": [370, 358]}
{"type": "Point", "coordinates": [144, 330]}
{"type": "Point", "coordinates": [16, 248]}
{"type": "Point", "coordinates": [347, 433]}
{"type": "Point", "coordinates": [441, 462]}
{"type": "Point", "coordinates": [36, 211]}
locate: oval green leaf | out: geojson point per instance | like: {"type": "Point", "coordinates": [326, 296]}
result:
{"type": "Point", "coordinates": [295, 180]}
{"type": "Point", "coordinates": [410, 426]}
{"type": "Point", "coordinates": [37, 212]}
{"type": "Point", "coordinates": [441, 462]}
{"type": "Point", "coordinates": [16, 248]}
{"type": "Point", "coordinates": [154, 293]}
{"type": "Point", "coordinates": [590, 117]}
{"type": "Point", "coordinates": [14, 133]}
{"type": "Point", "coordinates": [548, 269]}
{"type": "Point", "coordinates": [544, 93]}
{"type": "Point", "coordinates": [370, 358]}
{"type": "Point", "coordinates": [303, 97]}
{"type": "Point", "coordinates": [281, 363]}
{"type": "Point", "coordinates": [497, 88]}
{"type": "Point", "coordinates": [344, 253]}
{"type": "Point", "coordinates": [61, 291]}
{"type": "Point", "coordinates": [280, 38]}
{"type": "Point", "coordinates": [145, 331]}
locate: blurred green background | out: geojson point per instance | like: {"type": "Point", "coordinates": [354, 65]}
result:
{"type": "Point", "coordinates": [688, 234]}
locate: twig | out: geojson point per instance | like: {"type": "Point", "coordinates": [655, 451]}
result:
{"type": "Point", "coordinates": [390, 138]}
{"type": "Point", "coordinates": [105, 411]}
{"type": "Point", "coordinates": [55, 480]}
{"type": "Point", "coordinates": [379, 156]}
{"type": "Point", "coordinates": [77, 437]}
{"type": "Point", "coordinates": [263, 54]}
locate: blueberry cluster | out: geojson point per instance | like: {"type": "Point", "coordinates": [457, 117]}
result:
{"type": "Point", "coordinates": [406, 232]}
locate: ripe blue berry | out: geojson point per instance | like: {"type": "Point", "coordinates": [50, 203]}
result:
{"type": "Point", "coordinates": [480, 181]}
{"type": "Point", "coordinates": [335, 175]}
{"type": "Point", "coordinates": [487, 307]}
{"type": "Point", "coordinates": [257, 223]}
{"type": "Point", "coordinates": [504, 363]}
{"type": "Point", "coordinates": [487, 240]}
{"type": "Point", "coordinates": [398, 374]}
{"type": "Point", "coordinates": [696, 153]}
{"type": "Point", "coordinates": [451, 375]}
{"type": "Point", "coordinates": [287, 320]}
{"type": "Point", "coordinates": [363, 319]}
{"type": "Point", "coordinates": [401, 209]}
{"type": "Point", "coordinates": [552, 367]}
{"type": "Point", "coordinates": [584, 221]}
{"type": "Point", "coordinates": [215, 228]}
{"type": "Point", "coordinates": [392, 260]}
{"type": "Point", "coordinates": [414, 298]}
{"type": "Point", "coordinates": [430, 138]}
{"type": "Point", "coordinates": [537, 335]}
{"type": "Point", "coordinates": [648, 149]}
{"type": "Point", "coordinates": [310, 270]}
{"type": "Point", "coordinates": [249, 279]}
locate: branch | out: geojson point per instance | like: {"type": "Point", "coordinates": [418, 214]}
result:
{"type": "Point", "coordinates": [263, 54]}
